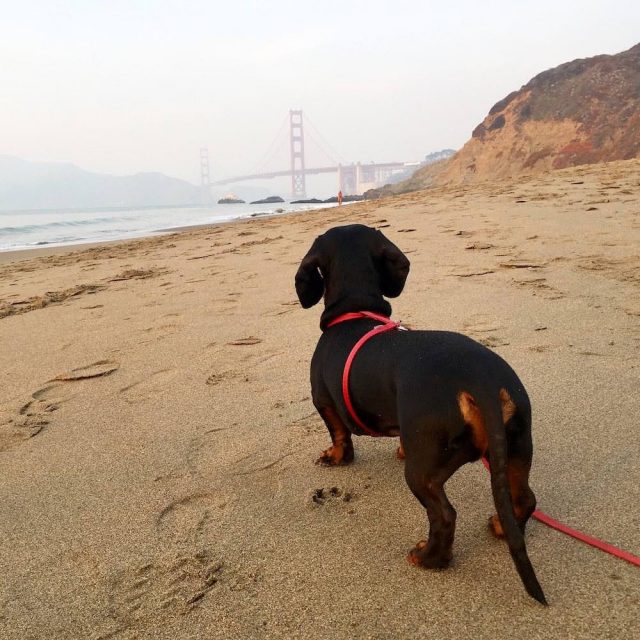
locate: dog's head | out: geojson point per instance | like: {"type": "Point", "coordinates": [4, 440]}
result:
{"type": "Point", "coordinates": [353, 267]}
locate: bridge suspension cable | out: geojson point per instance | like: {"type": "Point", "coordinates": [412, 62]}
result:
{"type": "Point", "coordinates": [271, 151]}
{"type": "Point", "coordinates": [323, 145]}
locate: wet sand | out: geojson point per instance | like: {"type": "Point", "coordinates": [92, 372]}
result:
{"type": "Point", "coordinates": [157, 438]}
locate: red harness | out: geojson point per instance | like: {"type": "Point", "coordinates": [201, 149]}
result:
{"type": "Point", "coordinates": [389, 325]}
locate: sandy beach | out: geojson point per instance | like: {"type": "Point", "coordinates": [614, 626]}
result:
{"type": "Point", "coordinates": [157, 437]}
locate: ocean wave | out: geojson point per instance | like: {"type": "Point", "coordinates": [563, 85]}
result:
{"type": "Point", "coordinates": [31, 228]}
{"type": "Point", "coordinates": [46, 229]}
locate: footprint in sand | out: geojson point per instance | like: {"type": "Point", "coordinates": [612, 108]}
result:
{"type": "Point", "coordinates": [163, 330]}
{"type": "Point", "coordinates": [522, 264]}
{"type": "Point", "coordinates": [252, 360]}
{"type": "Point", "coordinates": [257, 461]}
{"type": "Point", "coordinates": [284, 308]}
{"type": "Point", "coordinates": [146, 389]}
{"type": "Point", "coordinates": [326, 497]}
{"type": "Point", "coordinates": [472, 274]}
{"type": "Point", "coordinates": [166, 586]}
{"type": "Point", "coordinates": [47, 299]}
{"type": "Point", "coordinates": [94, 370]}
{"type": "Point", "coordinates": [189, 520]}
{"type": "Point", "coordinates": [223, 376]}
{"type": "Point", "coordinates": [138, 274]}
{"type": "Point", "coordinates": [478, 246]}
{"type": "Point", "coordinates": [256, 359]}
{"type": "Point", "coordinates": [539, 348]}
{"type": "Point", "coordinates": [480, 324]}
{"type": "Point", "coordinates": [540, 287]}
{"type": "Point", "coordinates": [483, 330]}
{"type": "Point", "coordinates": [34, 415]}
{"type": "Point", "coordinates": [248, 341]}
{"type": "Point", "coordinates": [308, 424]}
{"type": "Point", "coordinates": [227, 305]}
{"type": "Point", "coordinates": [492, 341]}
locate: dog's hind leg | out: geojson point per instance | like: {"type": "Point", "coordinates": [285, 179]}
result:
{"type": "Point", "coordinates": [426, 477]}
{"type": "Point", "coordinates": [434, 553]}
{"type": "Point", "coordinates": [341, 449]}
{"type": "Point", "coordinates": [435, 448]}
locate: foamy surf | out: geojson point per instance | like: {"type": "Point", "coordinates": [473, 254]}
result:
{"type": "Point", "coordinates": [30, 229]}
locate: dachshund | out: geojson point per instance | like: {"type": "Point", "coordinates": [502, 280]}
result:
{"type": "Point", "coordinates": [449, 398]}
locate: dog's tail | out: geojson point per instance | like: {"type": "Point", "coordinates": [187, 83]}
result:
{"type": "Point", "coordinates": [497, 445]}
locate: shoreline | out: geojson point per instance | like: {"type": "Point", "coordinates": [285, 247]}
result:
{"type": "Point", "coordinates": [28, 253]}
{"type": "Point", "coordinates": [163, 230]}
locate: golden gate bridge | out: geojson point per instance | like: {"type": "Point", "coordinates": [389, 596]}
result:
{"type": "Point", "coordinates": [353, 178]}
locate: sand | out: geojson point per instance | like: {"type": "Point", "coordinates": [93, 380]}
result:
{"type": "Point", "coordinates": [157, 438]}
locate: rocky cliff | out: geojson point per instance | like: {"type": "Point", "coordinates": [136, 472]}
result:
{"type": "Point", "coordinates": [582, 112]}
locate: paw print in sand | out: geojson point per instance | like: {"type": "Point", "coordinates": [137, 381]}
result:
{"type": "Point", "coordinates": [334, 494]}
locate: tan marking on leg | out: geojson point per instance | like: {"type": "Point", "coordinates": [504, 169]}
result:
{"type": "Point", "coordinates": [508, 406]}
{"type": "Point", "coordinates": [472, 416]}
{"type": "Point", "coordinates": [496, 527]}
{"type": "Point", "coordinates": [341, 449]}
{"type": "Point", "coordinates": [400, 452]}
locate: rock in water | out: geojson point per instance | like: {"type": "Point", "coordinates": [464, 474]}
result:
{"type": "Point", "coordinates": [269, 200]}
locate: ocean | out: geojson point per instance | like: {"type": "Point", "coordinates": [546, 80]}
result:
{"type": "Point", "coordinates": [31, 229]}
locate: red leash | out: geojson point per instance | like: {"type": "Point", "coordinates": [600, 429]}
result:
{"type": "Point", "coordinates": [389, 325]}
{"type": "Point", "coordinates": [583, 537]}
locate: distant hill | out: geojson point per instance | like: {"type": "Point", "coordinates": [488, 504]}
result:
{"type": "Point", "coordinates": [52, 185]}
{"type": "Point", "coordinates": [45, 185]}
{"type": "Point", "coordinates": [581, 112]}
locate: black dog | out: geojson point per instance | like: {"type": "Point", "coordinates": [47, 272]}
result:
{"type": "Point", "coordinates": [450, 399]}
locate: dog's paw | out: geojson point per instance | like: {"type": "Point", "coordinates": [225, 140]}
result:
{"type": "Point", "coordinates": [414, 557]}
{"type": "Point", "coordinates": [422, 556]}
{"type": "Point", "coordinates": [334, 456]}
{"type": "Point", "coordinates": [496, 527]}
{"type": "Point", "coordinates": [400, 452]}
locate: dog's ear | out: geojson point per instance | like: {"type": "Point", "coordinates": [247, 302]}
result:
{"type": "Point", "coordinates": [309, 282]}
{"type": "Point", "coordinates": [393, 267]}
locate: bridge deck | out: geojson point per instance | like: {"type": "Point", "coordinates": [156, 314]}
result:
{"type": "Point", "coordinates": [308, 172]}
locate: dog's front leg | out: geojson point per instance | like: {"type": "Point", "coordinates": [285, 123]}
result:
{"type": "Point", "coordinates": [341, 449]}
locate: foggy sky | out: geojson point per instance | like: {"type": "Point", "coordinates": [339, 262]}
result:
{"type": "Point", "coordinates": [127, 86]}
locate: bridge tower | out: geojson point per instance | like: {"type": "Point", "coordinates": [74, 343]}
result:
{"type": "Point", "coordinates": [205, 178]}
{"type": "Point", "coordinates": [298, 186]}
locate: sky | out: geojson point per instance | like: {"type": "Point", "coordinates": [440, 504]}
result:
{"type": "Point", "coordinates": [128, 86]}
